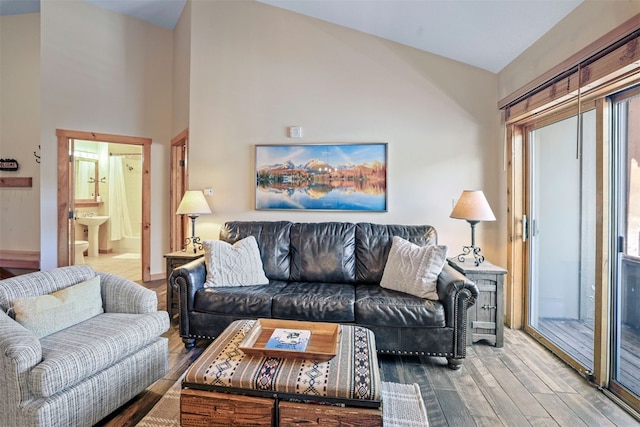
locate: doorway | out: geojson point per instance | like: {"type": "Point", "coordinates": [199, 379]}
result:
{"type": "Point", "coordinates": [179, 184]}
{"type": "Point", "coordinates": [120, 154]}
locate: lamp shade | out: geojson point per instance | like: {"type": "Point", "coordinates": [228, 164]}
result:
{"type": "Point", "coordinates": [472, 206]}
{"type": "Point", "coordinates": [193, 202]}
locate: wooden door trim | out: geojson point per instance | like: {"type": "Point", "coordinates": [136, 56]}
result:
{"type": "Point", "coordinates": [64, 202]}
{"type": "Point", "coordinates": [177, 226]}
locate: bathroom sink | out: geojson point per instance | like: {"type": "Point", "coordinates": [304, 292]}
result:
{"type": "Point", "coordinates": [92, 220]}
{"type": "Point", "coordinates": [93, 223]}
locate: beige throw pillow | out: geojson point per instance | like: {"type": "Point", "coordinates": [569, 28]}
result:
{"type": "Point", "coordinates": [46, 314]}
{"type": "Point", "coordinates": [413, 269]}
{"type": "Point", "coordinates": [233, 265]}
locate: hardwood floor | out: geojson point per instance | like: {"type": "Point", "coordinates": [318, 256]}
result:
{"type": "Point", "coordinates": [521, 384]}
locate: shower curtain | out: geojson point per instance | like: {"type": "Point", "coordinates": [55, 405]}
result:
{"type": "Point", "coordinates": [119, 217]}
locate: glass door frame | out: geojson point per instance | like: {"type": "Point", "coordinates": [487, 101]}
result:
{"type": "Point", "coordinates": [524, 130]}
{"type": "Point", "coordinates": [617, 388]}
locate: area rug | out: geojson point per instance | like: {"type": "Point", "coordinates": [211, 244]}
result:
{"type": "Point", "coordinates": [127, 256]}
{"type": "Point", "coordinates": [402, 406]}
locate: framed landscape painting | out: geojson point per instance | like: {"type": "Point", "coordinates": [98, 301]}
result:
{"type": "Point", "coordinates": [335, 177]}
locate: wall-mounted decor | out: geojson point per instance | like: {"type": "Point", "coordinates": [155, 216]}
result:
{"type": "Point", "coordinates": [344, 177]}
{"type": "Point", "coordinates": [8, 165]}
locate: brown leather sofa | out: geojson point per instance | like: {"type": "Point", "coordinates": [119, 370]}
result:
{"type": "Point", "coordinates": [330, 272]}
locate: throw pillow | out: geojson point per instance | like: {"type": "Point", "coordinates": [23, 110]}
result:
{"type": "Point", "coordinates": [46, 314]}
{"type": "Point", "coordinates": [413, 269]}
{"type": "Point", "coordinates": [233, 265]}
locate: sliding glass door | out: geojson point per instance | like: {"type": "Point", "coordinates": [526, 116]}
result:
{"type": "Point", "coordinates": [561, 224]}
{"type": "Point", "coordinates": [625, 333]}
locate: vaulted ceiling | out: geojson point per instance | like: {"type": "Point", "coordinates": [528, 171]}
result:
{"type": "Point", "coordinates": [487, 34]}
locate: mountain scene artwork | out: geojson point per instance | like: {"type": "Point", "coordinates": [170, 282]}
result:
{"type": "Point", "coordinates": [350, 177]}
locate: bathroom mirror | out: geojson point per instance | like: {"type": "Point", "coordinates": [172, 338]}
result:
{"type": "Point", "coordinates": [86, 177]}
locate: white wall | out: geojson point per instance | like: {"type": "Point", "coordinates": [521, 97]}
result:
{"type": "Point", "coordinates": [181, 69]}
{"type": "Point", "coordinates": [589, 21]}
{"type": "Point", "coordinates": [107, 73]}
{"type": "Point", "coordinates": [257, 69]}
{"type": "Point", "coordinates": [19, 129]}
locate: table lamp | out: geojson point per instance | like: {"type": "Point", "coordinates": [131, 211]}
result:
{"type": "Point", "coordinates": [473, 207]}
{"type": "Point", "coordinates": [193, 204]}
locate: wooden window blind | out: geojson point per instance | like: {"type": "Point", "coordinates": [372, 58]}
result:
{"type": "Point", "coordinates": [613, 58]}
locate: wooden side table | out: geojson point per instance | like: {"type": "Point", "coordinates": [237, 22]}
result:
{"type": "Point", "coordinates": [486, 316]}
{"type": "Point", "coordinates": [173, 260]}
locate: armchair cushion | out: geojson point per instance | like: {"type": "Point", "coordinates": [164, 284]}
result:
{"type": "Point", "coordinates": [47, 314]}
{"type": "Point", "coordinates": [76, 353]}
{"type": "Point", "coordinates": [413, 269]}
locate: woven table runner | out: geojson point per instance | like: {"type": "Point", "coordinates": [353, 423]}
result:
{"type": "Point", "coordinates": [352, 374]}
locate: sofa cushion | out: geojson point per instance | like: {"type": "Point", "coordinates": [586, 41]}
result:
{"type": "Point", "coordinates": [84, 349]}
{"type": "Point", "coordinates": [233, 265]}
{"type": "Point", "coordinates": [323, 252]}
{"type": "Point", "coordinates": [273, 243]}
{"type": "Point", "coordinates": [250, 301]}
{"type": "Point", "coordinates": [378, 306]}
{"type": "Point", "coordinates": [413, 269]}
{"type": "Point", "coordinates": [321, 302]}
{"type": "Point", "coordinates": [46, 314]}
{"type": "Point", "coordinates": [373, 242]}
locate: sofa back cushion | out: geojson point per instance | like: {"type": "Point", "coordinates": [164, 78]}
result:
{"type": "Point", "coordinates": [273, 242]}
{"type": "Point", "coordinates": [373, 242]}
{"type": "Point", "coordinates": [323, 252]}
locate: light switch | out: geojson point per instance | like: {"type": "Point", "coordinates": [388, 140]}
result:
{"type": "Point", "coordinates": [208, 191]}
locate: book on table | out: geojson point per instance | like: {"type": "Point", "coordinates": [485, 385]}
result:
{"type": "Point", "coordinates": [289, 339]}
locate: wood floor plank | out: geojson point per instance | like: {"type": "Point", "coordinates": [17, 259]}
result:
{"type": "Point", "coordinates": [454, 408]}
{"type": "Point", "coordinates": [559, 410]}
{"type": "Point", "coordinates": [525, 375]}
{"type": "Point", "coordinates": [542, 422]}
{"type": "Point", "coordinates": [481, 375]}
{"type": "Point", "coordinates": [487, 421]}
{"type": "Point", "coordinates": [585, 411]}
{"type": "Point", "coordinates": [476, 402]}
{"type": "Point", "coordinates": [547, 372]}
{"type": "Point", "coordinates": [517, 392]}
{"type": "Point", "coordinates": [505, 408]}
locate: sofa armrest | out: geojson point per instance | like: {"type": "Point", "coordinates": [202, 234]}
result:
{"type": "Point", "coordinates": [187, 280]}
{"type": "Point", "coordinates": [120, 295]}
{"type": "Point", "coordinates": [456, 293]}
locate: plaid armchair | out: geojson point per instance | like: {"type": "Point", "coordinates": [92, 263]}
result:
{"type": "Point", "coordinates": [78, 375]}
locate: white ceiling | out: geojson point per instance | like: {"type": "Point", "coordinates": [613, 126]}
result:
{"type": "Point", "coordinates": [488, 34]}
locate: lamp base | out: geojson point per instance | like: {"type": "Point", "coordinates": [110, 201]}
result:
{"type": "Point", "coordinates": [471, 250]}
{"type": "Point", "coordinates": [194, 241]}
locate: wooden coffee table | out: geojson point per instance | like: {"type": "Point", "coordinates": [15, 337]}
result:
{"type": "Point", "coordinates": [226, 386]}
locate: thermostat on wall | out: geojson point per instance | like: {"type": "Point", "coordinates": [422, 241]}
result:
{"type": "Point", "coordinates": [295, 132]}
